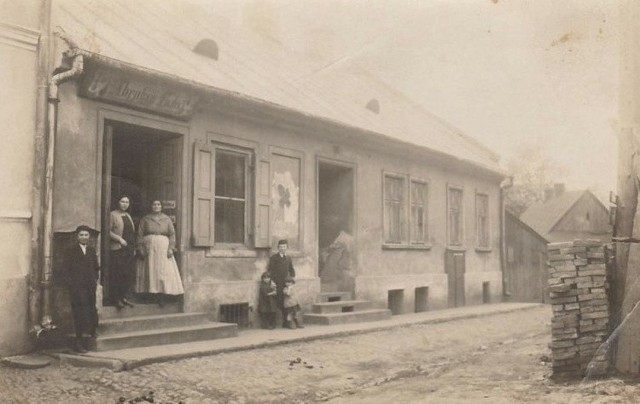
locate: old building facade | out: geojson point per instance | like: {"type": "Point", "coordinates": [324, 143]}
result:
{"type": "Point", "coordinates": [376, 196]}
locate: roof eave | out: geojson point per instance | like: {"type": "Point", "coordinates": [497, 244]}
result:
{"type": "Point", "coordinates": [496, 172]}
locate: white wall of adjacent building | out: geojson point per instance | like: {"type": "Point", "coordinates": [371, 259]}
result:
{"type": "Point", "coordinates": [18, 90]}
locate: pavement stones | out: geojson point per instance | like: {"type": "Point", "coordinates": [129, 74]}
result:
{"type": "Point", "coordinates": [340, 365]}
{"type": "Point", "coordinates": [35, 361]}
{"type": "Point", "coordinates": [127, 359]}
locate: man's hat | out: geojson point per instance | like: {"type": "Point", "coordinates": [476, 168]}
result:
{"type": "Point", "coordinates": [84, 227]}
{"type": "Point", "coordinates": [281, 242]}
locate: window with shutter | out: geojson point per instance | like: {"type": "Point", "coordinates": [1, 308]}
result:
{"type": "Point", "coordinates": [203, 198]}
{"type": "Point", "coordinates": [222, 195]}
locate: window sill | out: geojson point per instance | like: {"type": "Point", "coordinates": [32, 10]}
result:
{"type": "Point", "coordinates": [292, 254]}
{"type": "Point", "coordinates": [230, 252]}
{"type": "Point", "coordinates": [424, 247]}
{"type": "Point", "coordinates": [456, 248]}
{"type": "Point", "coordinates": [484, 249]}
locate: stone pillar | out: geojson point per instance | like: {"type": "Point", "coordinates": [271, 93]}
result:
{"type": "Point", "coordinates": [578, 288]}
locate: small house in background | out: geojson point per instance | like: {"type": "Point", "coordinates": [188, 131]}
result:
{"type": "Point", "coordinates": [525, 272]}
{"type": "Point", "coordinates": [569, 215]}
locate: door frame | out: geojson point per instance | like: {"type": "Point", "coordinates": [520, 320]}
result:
{"type": "Point", "coordinates": [452, 278]}
{"type": "Point", "coordinates": [354, 224]}
{"type": "Point", "coordinates": [152, 122]}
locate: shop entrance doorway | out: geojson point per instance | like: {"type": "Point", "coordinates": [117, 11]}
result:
{"type": "Point", "coordinates": [335, 226]}
{"type": "Point", "coordinates": [143, 163]}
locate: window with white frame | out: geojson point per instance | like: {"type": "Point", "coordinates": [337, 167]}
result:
{"type": "Point", "coordinates": [230, 196]}
{"type": "Point", "coordinates": [482, 219]}
{"type": "Point", "coordinates": [405, 210]}
{"type": "Point", "coordinates": [455, 216]}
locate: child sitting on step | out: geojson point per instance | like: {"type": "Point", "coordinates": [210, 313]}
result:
{"type": "Point", "coordinates": [291, 306]}
{"type": "Point", "coordinates": [267, 305]}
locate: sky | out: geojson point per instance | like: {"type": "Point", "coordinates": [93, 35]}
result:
{"type": "Point", "coordinates": [510, 73]}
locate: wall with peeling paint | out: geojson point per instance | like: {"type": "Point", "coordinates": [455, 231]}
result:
{"type": "Point", "coordinates": [223, 275]}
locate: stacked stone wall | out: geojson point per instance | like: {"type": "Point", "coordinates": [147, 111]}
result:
{"type": "Point", "coordinates": [578, 289]}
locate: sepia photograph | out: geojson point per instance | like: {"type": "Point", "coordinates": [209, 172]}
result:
{"type": "Point", "coordinates": [310, 201]}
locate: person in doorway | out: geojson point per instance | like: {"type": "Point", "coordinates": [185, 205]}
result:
{"type": "Point", "coordinates": [290, 303]}
{"type": "Point", "coordinates": [157, 270]}
{"type": "Point", "coordinates": [81, 268]}
{"type": "Point", "coordinates": [280, 267]}
{"type": "Point", "coordinates": [267, 306]}
{"type": "Point", "coordinates": [121, 246]}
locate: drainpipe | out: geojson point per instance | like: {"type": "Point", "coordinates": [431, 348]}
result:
{"type": "Point", "coordinates": [35, 275]}
{"type": "Point", "coordinates": [54, 83]}
{"type": "Point", "coordinates": [504, 185]}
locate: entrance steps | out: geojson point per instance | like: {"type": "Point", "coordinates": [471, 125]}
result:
{"type": "Point", "coordinates": [149, 325]}
{"type": "Point", "coordinates": [340, 308]}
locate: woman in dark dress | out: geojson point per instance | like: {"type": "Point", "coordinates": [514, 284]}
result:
{"type": "Point", "coordinates": [122, 246]}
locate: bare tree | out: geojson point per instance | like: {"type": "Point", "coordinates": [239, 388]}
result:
{"type": "Point", "coordinates": [533, 173]}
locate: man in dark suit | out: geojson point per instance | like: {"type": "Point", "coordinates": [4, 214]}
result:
{"type": "Point", "coordinates": [280, 267]}
{"type": "Point", "coordinates": [82, 270]}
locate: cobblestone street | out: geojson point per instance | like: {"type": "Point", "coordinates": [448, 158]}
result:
{"type": "Point", "coordinates": [500, 358]}
{"type": "Point", "coordinates": [300, 372]}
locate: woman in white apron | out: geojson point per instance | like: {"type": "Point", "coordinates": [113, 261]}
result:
{"type": "Point", "coordinates": [157, 270]}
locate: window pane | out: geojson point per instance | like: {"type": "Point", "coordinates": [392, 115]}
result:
{"type": "Point", "coordinates": [418, 212]}
{"type": "Point", "coordinates": [417, 224]}
{"type": "Point", "coordinates": [230, 174]}
{"type": "Point", "coordinates": [455, 216]}
{"type": "Point", "coordinates": [229, 226]}
{"type": "Point", "coordinates": [394, 209]}
{"type": "Point", "coordinates": [418, 194]}
{"type": "Point", "coordinates": [482, 207]}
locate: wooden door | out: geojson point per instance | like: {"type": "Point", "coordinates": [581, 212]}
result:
{"type": "Point", "coordinates": [455, 269]}
{"type": "Point", "coordinates": [162, 178]}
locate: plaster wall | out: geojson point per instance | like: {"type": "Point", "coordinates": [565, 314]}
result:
{"type": "Point", "coordinates": [214, 275]}
{"type": "Point", "coordinates": [18, 45]}
{"type": "Point", "coordinates": [23, 13]}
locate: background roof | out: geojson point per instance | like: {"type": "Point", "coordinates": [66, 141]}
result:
{"type": "Point", "coordinates": [160, 36]}
{"type": "Point", "coordinates": [542, 216]}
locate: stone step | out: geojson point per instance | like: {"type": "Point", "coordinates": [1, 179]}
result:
{"type": "Point", "coordinates": [345, 318]}
{"type": "Point", "coordinates": [111, 326]}
{"type": "Point", "coordinates": [163, 336]}
{"type": "Point", "coordinates": [139, 310]}
{"type": "Point", "coordinates": [342, 306]}
{"type": "Point", "coordinates": [324, 297]}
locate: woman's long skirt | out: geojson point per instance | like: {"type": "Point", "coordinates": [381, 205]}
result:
{"type": "Point", "coordinates": [156, 273]}
{"type": "Point", "coordinates": [121, 274]}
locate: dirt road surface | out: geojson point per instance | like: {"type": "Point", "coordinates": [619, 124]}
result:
{"type": "Point", "coordinates": [496, 359]}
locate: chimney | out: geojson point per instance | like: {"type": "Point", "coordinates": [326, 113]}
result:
{"type": "Point", "coordinates": [558, 188]}
{"type": "Point", "coordinates": [548, 194]}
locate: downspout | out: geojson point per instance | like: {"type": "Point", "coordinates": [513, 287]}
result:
{"type": "Point", "coordinates": [35, 275]}
{"type": "Point", "coordinates": [504, 185]}
{"type": "Point", "coordinates": [76, 70]}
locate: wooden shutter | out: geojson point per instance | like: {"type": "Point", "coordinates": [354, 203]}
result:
{"type": "Point", "coordinates": [203, 194]}
{"type": "Point", "coordinates": [262, 233]}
